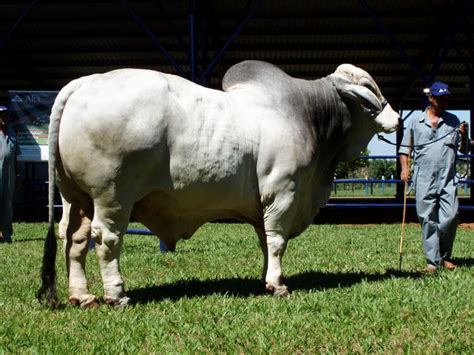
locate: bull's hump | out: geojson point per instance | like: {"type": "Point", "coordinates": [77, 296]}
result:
{"type": "Point", "coordinates": [255, 73]}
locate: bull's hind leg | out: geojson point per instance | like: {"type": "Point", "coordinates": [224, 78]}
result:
{"type": "Point", "coordinates": [75, 230]}
{"type": "Point", "coordinates": [108, 227]}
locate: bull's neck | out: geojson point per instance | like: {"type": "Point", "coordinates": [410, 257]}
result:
{"type": "Point", "coordinates": [327, 115]}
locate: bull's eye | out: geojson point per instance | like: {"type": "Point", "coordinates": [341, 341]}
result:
{"type": "Point", "coordinates": [371, 112]}
{"type": "Point", "coordinates": [367, 84]}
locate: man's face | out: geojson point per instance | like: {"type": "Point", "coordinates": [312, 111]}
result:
{"type": "Point", "coordinates": [439, 103]}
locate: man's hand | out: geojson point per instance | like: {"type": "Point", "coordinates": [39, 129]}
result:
{"type": "Point", "coordinates": [405, 173]}
{"type": "Point", "coordinates": [464, 146]}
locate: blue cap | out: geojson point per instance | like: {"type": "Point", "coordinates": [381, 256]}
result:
{"type": "Point", "coordinates": [439, 89]}
{"type": "Point", "coordinates": [3, 108]}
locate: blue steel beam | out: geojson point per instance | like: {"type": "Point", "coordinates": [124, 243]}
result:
{"type": "Point", "coordinates": [192, 40]}
{"type": "Point", "coordinates": [16, 24]}
{"type": "Point", "coordinates": [138, 231]}
{"type": "Point", "coordinates": [442, 51]}
{"type": "Point", "coordinates": [466, 63]}
{"type": "Point", "coordinates": [155, 40]}
{"type": "Point", "coordinates": [408, 115]}
{"type": "Point", "coordinates": [171, 26]}
{"type": "Point", "coordinates": [229, 41]}
{"type": "Point", "coordinates": [458, 21]}
{"type": "Point", "coordinates": [391, 38]}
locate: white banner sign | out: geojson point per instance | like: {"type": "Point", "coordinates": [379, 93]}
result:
{"type": "Point", "coordinates": [29, 114]}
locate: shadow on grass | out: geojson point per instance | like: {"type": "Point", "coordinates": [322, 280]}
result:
{"type": "Point", "coordinates": [15, 241]}
{"type": "Point", "coordinates": [464, 261]}
{"type": "Point", "coordinates": [245, 287]}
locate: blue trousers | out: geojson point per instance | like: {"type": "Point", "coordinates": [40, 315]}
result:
{"type": "Point", "coordinates": [437, 209]}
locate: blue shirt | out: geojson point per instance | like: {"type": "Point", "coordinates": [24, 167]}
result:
{"type": "Point", "coordinates": [434, 164]}
{"type": "Point", "coordinates": [440, 154]}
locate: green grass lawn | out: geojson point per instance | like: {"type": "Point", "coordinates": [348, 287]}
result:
{"type": "Point", "coordinates": [207, 296]}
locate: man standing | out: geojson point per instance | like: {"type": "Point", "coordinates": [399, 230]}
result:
{"type": "Point", "coordinates": [434, 172]}
{"type": "Point", "coordinates": [8, 173]}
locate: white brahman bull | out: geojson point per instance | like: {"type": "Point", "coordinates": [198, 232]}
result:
{"type": "Point", "coordinates": [175, 155]}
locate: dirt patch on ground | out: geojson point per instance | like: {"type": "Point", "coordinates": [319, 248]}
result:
{"type": "Point", "coordinates": [467, 225]}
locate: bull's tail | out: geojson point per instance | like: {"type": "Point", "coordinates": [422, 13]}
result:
{"type": "Point", "coordinates": [47, 292]}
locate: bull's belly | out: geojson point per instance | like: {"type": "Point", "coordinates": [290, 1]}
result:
{"type": "Point", "coordinates": [309, 206]}
{"type": "Point", "coordinates": [174, 216]}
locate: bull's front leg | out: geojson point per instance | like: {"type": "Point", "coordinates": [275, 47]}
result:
{"type": "Point", "coordinates": [276, 246]}
{"type": "Point", "coordinates": [278, 217]}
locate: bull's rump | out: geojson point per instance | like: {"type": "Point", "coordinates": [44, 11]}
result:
{"type": "Point", "coordinates": [158, 138]}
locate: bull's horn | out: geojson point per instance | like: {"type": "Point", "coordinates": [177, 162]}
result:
{"type": "Point", "coordinates": [361, 95]}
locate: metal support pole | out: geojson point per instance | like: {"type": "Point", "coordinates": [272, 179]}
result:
{"type": "Point", "coordinates": [16, 24]}
{"type": "Point", "coordinates": [229, 41]}
{"type": "Point", "coordinates": [471, 108]}
{"type": "Point", "coordinates": [399, 136]}
{"type": "Point", "coordinates": [155, 40]}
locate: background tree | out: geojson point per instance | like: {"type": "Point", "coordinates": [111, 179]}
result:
{"type": "Point", "coordinates": [382, 167]}
{"type": "Point", "coordinates": [353, 169]}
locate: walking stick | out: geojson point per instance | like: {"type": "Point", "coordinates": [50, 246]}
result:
{"type": "Point", "coordinates": [402, 234]}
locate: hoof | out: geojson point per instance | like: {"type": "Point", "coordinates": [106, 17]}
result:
{"type": "Point", "coordinates": [74, 301]}
{"type": "Point", "coordinates": [277, 291]}
{"type": "Point", "coordinates": [93, 304]}
{"type": "Point", "coordinates": [86, 302]}
{"type": "Point", "coordinates": [117, 303]}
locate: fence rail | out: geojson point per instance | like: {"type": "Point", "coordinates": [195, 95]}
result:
{"type": "Point", "coordinates": [375, 187]}
{"type": "Point", "coordinates": [35, 187]}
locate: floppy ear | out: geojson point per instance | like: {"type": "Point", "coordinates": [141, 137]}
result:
{"type": "Point", "coordinates": [360, 94]}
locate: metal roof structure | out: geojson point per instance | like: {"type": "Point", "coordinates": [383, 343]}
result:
{"type": "Point", "coordinates": [404, 45]}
